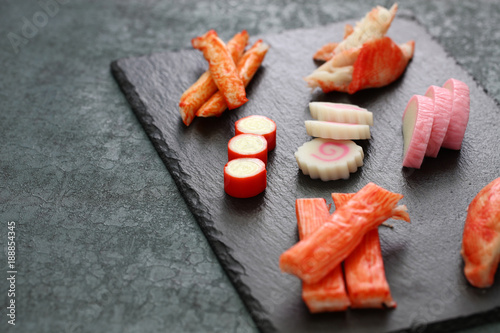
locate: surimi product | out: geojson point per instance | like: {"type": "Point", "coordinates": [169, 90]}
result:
{"type": "Point", "coordinates": [442, 115]}
{"type": "Point", "coordinates": [247, 145]}
{"type": "Point", "coordinates": [261, 125]}
{"type": "Point", "coordinates": [340, 113]}
{"type": "Point", "coordinates": [245, 177]}
{"type": "Point", "coordinates": [459, 114]}
{"type": "Point", "coordinates": [418, 118]}
{"type": "Point", "coordinates": [328, 159]}
{"type": "Point", "coordinates": [337, 131]}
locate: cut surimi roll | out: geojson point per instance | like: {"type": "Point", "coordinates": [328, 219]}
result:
{"type": "Point", "coordinates": [328, 159]}
{"type": "Point", "coordinates": [244, 177]}
{"type": "Point", "coordinates": [442, 115]}
{"type": "Point", "coordinates": [418, 118]}
{"type": "Point", "coordinates": [337, 131]}
{"type": "Point", "coordinates": [247, 145]}
{"type": "Point", "coordinates": [341, 113]}
{"type": "Point", "coordinates": [459, 113]}
{"type": "Point", "coordinates": [260, 125]}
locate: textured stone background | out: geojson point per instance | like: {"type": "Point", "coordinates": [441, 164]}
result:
{"type": "Point", "coordinates": [105, 243]}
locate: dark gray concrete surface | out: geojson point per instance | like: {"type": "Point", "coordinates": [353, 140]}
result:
{"type": "Point", "coordinates": [104, 242]}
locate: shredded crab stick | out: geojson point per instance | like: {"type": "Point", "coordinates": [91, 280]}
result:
{"type": "Point", "coordinates": [337, 131]}
{"type": "Point", "coordinates": [329, 159]}
{"type": "Point", "coordinates": [313, 258]}
{"type": "Point", "coordinates": [256, 124]}
{"type": "Point", "coordinates": [247, 66]}
{"type": "Point", "coordinates": [418, 118]}
{"type": "Point", "coordinates": [459, 114]}
{"type": "Point", "coordinates": [222, 68]}
{"type": "Point", "coordinates": [244, 177]}
{"type": "Point", "coordinates": [442, 115]}
{"type": "Point", "coordinates": [247, 145]}
{"type": "Point", "coordinates": [364, 267]}
{"type": "Point", "coordinates": [481, 237]}
{"type": "Point", "coordinates": [329, 294]}
{"type": "Point", "coordinates": [196, 95]}
{"type": "Point", "coordinates": [341, 113]}
{"type": "Point", "coordinates": [325, 53]}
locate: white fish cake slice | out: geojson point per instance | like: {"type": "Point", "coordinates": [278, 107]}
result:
{"type": "Point", "coordinates": [328, 159]}
{"type": "Point", "coordinates": [337, 131]}
{"type": "Point", "coordinates": [341, 113]}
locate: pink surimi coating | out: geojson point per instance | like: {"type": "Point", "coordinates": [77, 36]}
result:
{"type": "Point", "coordinates": [442, 115]}
{"type": "Point", "coordinates": [459, 114]}
{"type": "Point", "coordinates": [422, 127]}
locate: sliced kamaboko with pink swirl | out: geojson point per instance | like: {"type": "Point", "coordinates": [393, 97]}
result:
{"type": "Point", "coordinates": [442, 115]}
{"type": "Point", "coordinates": [418, 118]}
{"type": "Point", "coordinates": [341, 113]}
{"type": "Point", "coordinates": [337, 131]}
{"type": "Point", "coordinates": [459, 114]}
{"type": "Point", "coordinates": [328, 159]}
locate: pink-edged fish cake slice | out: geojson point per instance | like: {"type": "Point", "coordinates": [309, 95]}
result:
{"type": "Point", "coordinates": [418, 118]}
{"type": "Point", "coordinates": [337, 131]}
{"type": "Point", "coordinates": [459, 114]}
{"type": "Point", "coordinates": [340, 113]}
{"type": "Point", "coordinates": [442, 115]}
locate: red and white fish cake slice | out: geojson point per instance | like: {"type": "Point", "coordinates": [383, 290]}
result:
{"type": "Point", "coordinates": [337, 131]}
{"type": "Point", "coordinates": [459, 114]}
{"type": "Point", "coordinates": [245, 177]}
{"type": "Point", "coordinates": [340, 113]}
{"type": "Point", "coordinates": [442, 115]}
{"type": "Point", "coordinates": [247, 146]}
{"type": "Point", "coordinates": [260, 125]}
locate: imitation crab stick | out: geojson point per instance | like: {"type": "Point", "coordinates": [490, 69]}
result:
{"type": "Point", "coordinates": [329, 293]}
{"type": "Point", "coordinates": [256, 124]}
{"type": "Point", "coordinates": [222, 68]}
{"type": "Point", "coordinates": [247, 145]}
{"type": "Point", "coordinates": [442, 115]}
{"type": "Point", "coordinates": [364, 268]}
{"type": "Point", "coordinates": [325, 53]}
{"type": "Point", "coordinates": [459, 114]}
{"type": "Point", "coordinates": [337, 131]}
{"type": "Point", "coordinates": [244, 177]}
{"type": "Point", "coordinates": [196, 95]}
{"type": "Point", "coordinates": [341, 113]}
{"type": "Point", "coordinates": [481, 237]}
{"type": "Point", "coordinates": [313, 258]}
{"type": "Point", "coordinates": [418, 118]}
{"type": "Point", "coordinates": [247, 66]}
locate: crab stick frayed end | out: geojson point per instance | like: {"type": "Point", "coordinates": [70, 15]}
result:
{"type": "Point", "coordinates": [247, 146]}
{"type": "Point", "coordinates": [222, 68]}
{"type": "Point", "coordinates": [260, 125]}
{"type": "Point", "coordinates": [244, 177]}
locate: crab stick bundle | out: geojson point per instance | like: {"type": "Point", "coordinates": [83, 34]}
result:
{"type": "Point", "coordinates": [222, 68]}
{"type": "Point", "coordinates": [329, 159]}
{"type": "Point", "coordinates": [196, 95]}
{"type": "Point", "coordinates": [341, 113]}
{"type": "Point", "coordinates": [261, 125]}
{"type": "Point", "coordinates": [247, 145]}
{"type": "Point", "coordinates": [325, 53]}
{"type": "Point", "coordinates": [481, 237]}
{"type": "Point", "coordinates": [329, 293]}
{"type": "Point", "coordinates": [364, 269]}
{"type": "Point", "coordinates": [418, 118]}
{"type": "Point", "coordinates": [313, 258]}
{"type": "Point", "coordinates": [337, 131]}
{"type": "Point", "coordinates": [247, 66]}
{"type": "Point", "coordinates": [459, 113]}
{"type": "Point", "coordinates": [244, 177]}
{"type": "Point", "coordinates": [442, 115]}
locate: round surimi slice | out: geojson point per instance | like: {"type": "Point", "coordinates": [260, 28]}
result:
{"type": "Point", "coordinates": [459, 113]}
{"type": "Point", "coordinates": [244, 177]}
{"type": "Point", "coordinates": [417, 126]}
{"type": "Point", "coordinates": [328, 159]}
{"type": "Point", "coordinates": [260, 125]}
{"type": "Point", "coordinates": [247, 145]}
{"type": "Point", "coordinates": [337, 131]}
{"type": "Point", "coordinates": [340, 113]}
{"type": "Point", "coordinates": [442, 115]}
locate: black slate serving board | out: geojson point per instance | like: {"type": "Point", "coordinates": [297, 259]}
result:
{"type": "Point", "coordinates": [422, 259]}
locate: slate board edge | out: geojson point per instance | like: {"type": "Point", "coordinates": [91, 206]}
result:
{"type": "Point", "coordinates": [223, 253]}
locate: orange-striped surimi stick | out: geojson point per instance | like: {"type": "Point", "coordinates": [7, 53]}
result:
{"type": "Point", "coordinates": [329, 294]}
{"type": "Point", "coordinates": [364, 268]}
{"type": "Point", "coordinates": [196, 95]}
{"type": "Point", "coordinates": [222, 68]}
{"type": "Point", "coordinates": [248, 65]}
